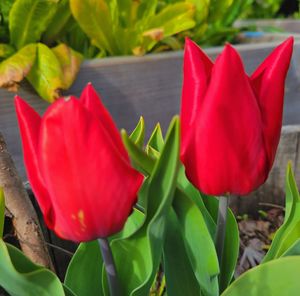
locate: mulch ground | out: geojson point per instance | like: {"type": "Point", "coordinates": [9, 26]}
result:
{"type": "Point", "coordinates": [256, 234]}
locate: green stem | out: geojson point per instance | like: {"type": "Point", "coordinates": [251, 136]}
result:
{"type": "Point", "coordinates": [221, 226]}
{"type": "Point", "coordinates": [110, 267]}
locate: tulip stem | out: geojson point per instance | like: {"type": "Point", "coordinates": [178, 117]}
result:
{"type": "Point", "coordinates": [221, 226]}
{"type": "Point", "coordinates": [110, 267]}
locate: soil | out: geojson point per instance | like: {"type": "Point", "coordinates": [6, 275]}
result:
{"type": "Point", "coordinates": [256, 234]}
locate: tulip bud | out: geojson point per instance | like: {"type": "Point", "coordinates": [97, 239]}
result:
{"type": "Point", "coordinates": [230, 123]}
{"type": "Point", "coordinates": [78, 167]}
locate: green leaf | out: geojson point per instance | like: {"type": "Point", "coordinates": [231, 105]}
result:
{"type": "Point", "coordinates": [2, 212]}
{"type": "Point", "coordinates": [5, 7]}
{"type": "Point", "coordinates": [231, 244]}
{"type": "Point", "coordinates": [156, 140]}
{"type": "Point", "coordinates": [139, 157]}
{"type": "Point", "coordinates": [178, 271]}
{"type": "Point", "coordinates": [173, 19]}
{"type": "Point", "coordinates": [138, 134]}
{"type": "Point", "coordinates": [16, 67]}
{"type": "Point", "coordinates": [137, 271]}
{"type": "Point", "coordinates": [217, 9]}
{"type": "Point", "coordinates": [84, 272]}
{"type": "Point", "coordinates": [95, 19]}
{"type": "Point", "coordinates": [200, 245]}
{"type": "Point", "coordinates": [133, 224]}
{"type": "Point", "coordinates": [28, 19]}
{"type": "Point", "coordinates": [58, 22]}
{"type": "Point", "coordinates": [70, 61]}
{"type": "Point", "coordinates": [6, 50]}
{"type": "Point", "coordinates": [293, 250]}
{"type": "Point", "coordinates": [275, 278]}
{"type": "Point", "coordinates": [20, 276]}
{"type": "Point", "coordinates": [289, 232]}
{"type": "Point", "coordinates": [46, 74]}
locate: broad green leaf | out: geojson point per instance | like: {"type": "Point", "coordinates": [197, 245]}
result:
{"type": "Point", "coordinates": [133, 223]}
{"type": "Point", "coordinates": [6, 50]}
{"type": "Point", "coordinates": [2, 212]}
{"type": "Point", "coordinates": [95, 19]}
{"type": "Point", "coordinates": [293, 250]}
{"type": "Point", "coordinates": [19, 276]}
{"type": "Point", "coordinates": [70, 61]}
{"type": "Point", "coordinates": [200, 244]}
{"type": "Point", "coordinates": [178, 271]}
{"type": "Point", "coordinates": [156, 139]}
{"type": "Point", "coordinates": [28, 19]}
{"type": "Point", "coordinates": [46, 74]}
{"type": "Point", "coordinates": [275, 278]}
{"type": "Point", "coordinates": [16, 67]}
{"type": "Point", "coordinates": [138, 134]}
{"type": "Point", "coordinates": [289, 232]}
{"type": "Point", "coordinates": [58, 22]}
{"type": "Point", "coordinates": [5, 7]}
{"type": "Point", "coordinates": [84, 272]}
{"type": "Point", "coordinates": [189, 190]}
{"type": "Point", "coordinates": [68, 291]}
{"type": "Point", "coordinates": [231, 244]}
{"type": "Point", "coordinates": [137, 271]}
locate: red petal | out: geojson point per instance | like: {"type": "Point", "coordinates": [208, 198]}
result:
{"type": "Point", "coordinates": [91, 186]}
{"type": "Point", "coordinates": [29, 123]}
{"type": "Point", "coordinates": [268, 83]}
{"type": "Point", "coordinates": [197, 70]}
{"type": "Point", "coordinates": [92, 102]}
{"type": "Point", "coordinates": [227, 154]}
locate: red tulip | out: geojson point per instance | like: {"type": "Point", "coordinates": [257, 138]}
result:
{"type": "Point", "coordinates": [78, 167]}
{"type": "Point", "coordinates": [230, 122]}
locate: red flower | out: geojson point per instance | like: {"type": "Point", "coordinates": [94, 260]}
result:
{"type": "Point", "coordinates": [230, 123]}
{"type": "Point", "coordinates": [78, 167]}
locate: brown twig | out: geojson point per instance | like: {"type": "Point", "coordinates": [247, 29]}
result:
{"type": "Point", "coordinates": [24, 217]}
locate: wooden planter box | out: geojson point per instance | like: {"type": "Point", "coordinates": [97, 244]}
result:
{"type": "Point", "coordinates": [285, 25]}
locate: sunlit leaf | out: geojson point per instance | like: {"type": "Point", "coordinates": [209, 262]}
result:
{"type": "Point", "coordinates": [275, 278]}
{"type": "Point", "coordinates": [70, 61]}
{"type": "Point", "coordinates": [84, 272]}
{"type": "Point", "coordinates": [28, 19]}
{"type": "Point", "coordinates": [19, 276]}
{"type": "Point", "coordinates": [16, 67]}
{"type": "Point", "coordinates": [46, 74]}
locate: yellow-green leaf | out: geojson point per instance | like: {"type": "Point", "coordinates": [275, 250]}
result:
{"type": "Point", "coordinates": [70, 61]}
{"type": "Point", "coordinates": [16, 67]}
{"type": "Point", "coordinates": [46, 74]}
{"type": "Point", "coordinates": [28, 19]}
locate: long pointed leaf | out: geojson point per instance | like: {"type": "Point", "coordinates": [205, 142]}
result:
{"type": "Point", "coordinates": [28, 19]}
{"type": "Point", "coordinates": [137, 271]}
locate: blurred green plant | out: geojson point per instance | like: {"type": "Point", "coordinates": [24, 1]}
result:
{"type": "Point", "coordinates": [22, 26]}
{"type": "Point", "coordinates": [45, 41]}
{"type": "Point", "coordinates": [263, 9]}
{"type": "Point", "coordinates": [131, 27]}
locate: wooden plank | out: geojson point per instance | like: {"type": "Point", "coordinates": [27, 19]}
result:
{"type": "Point", "coordinates": [287, 25]}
